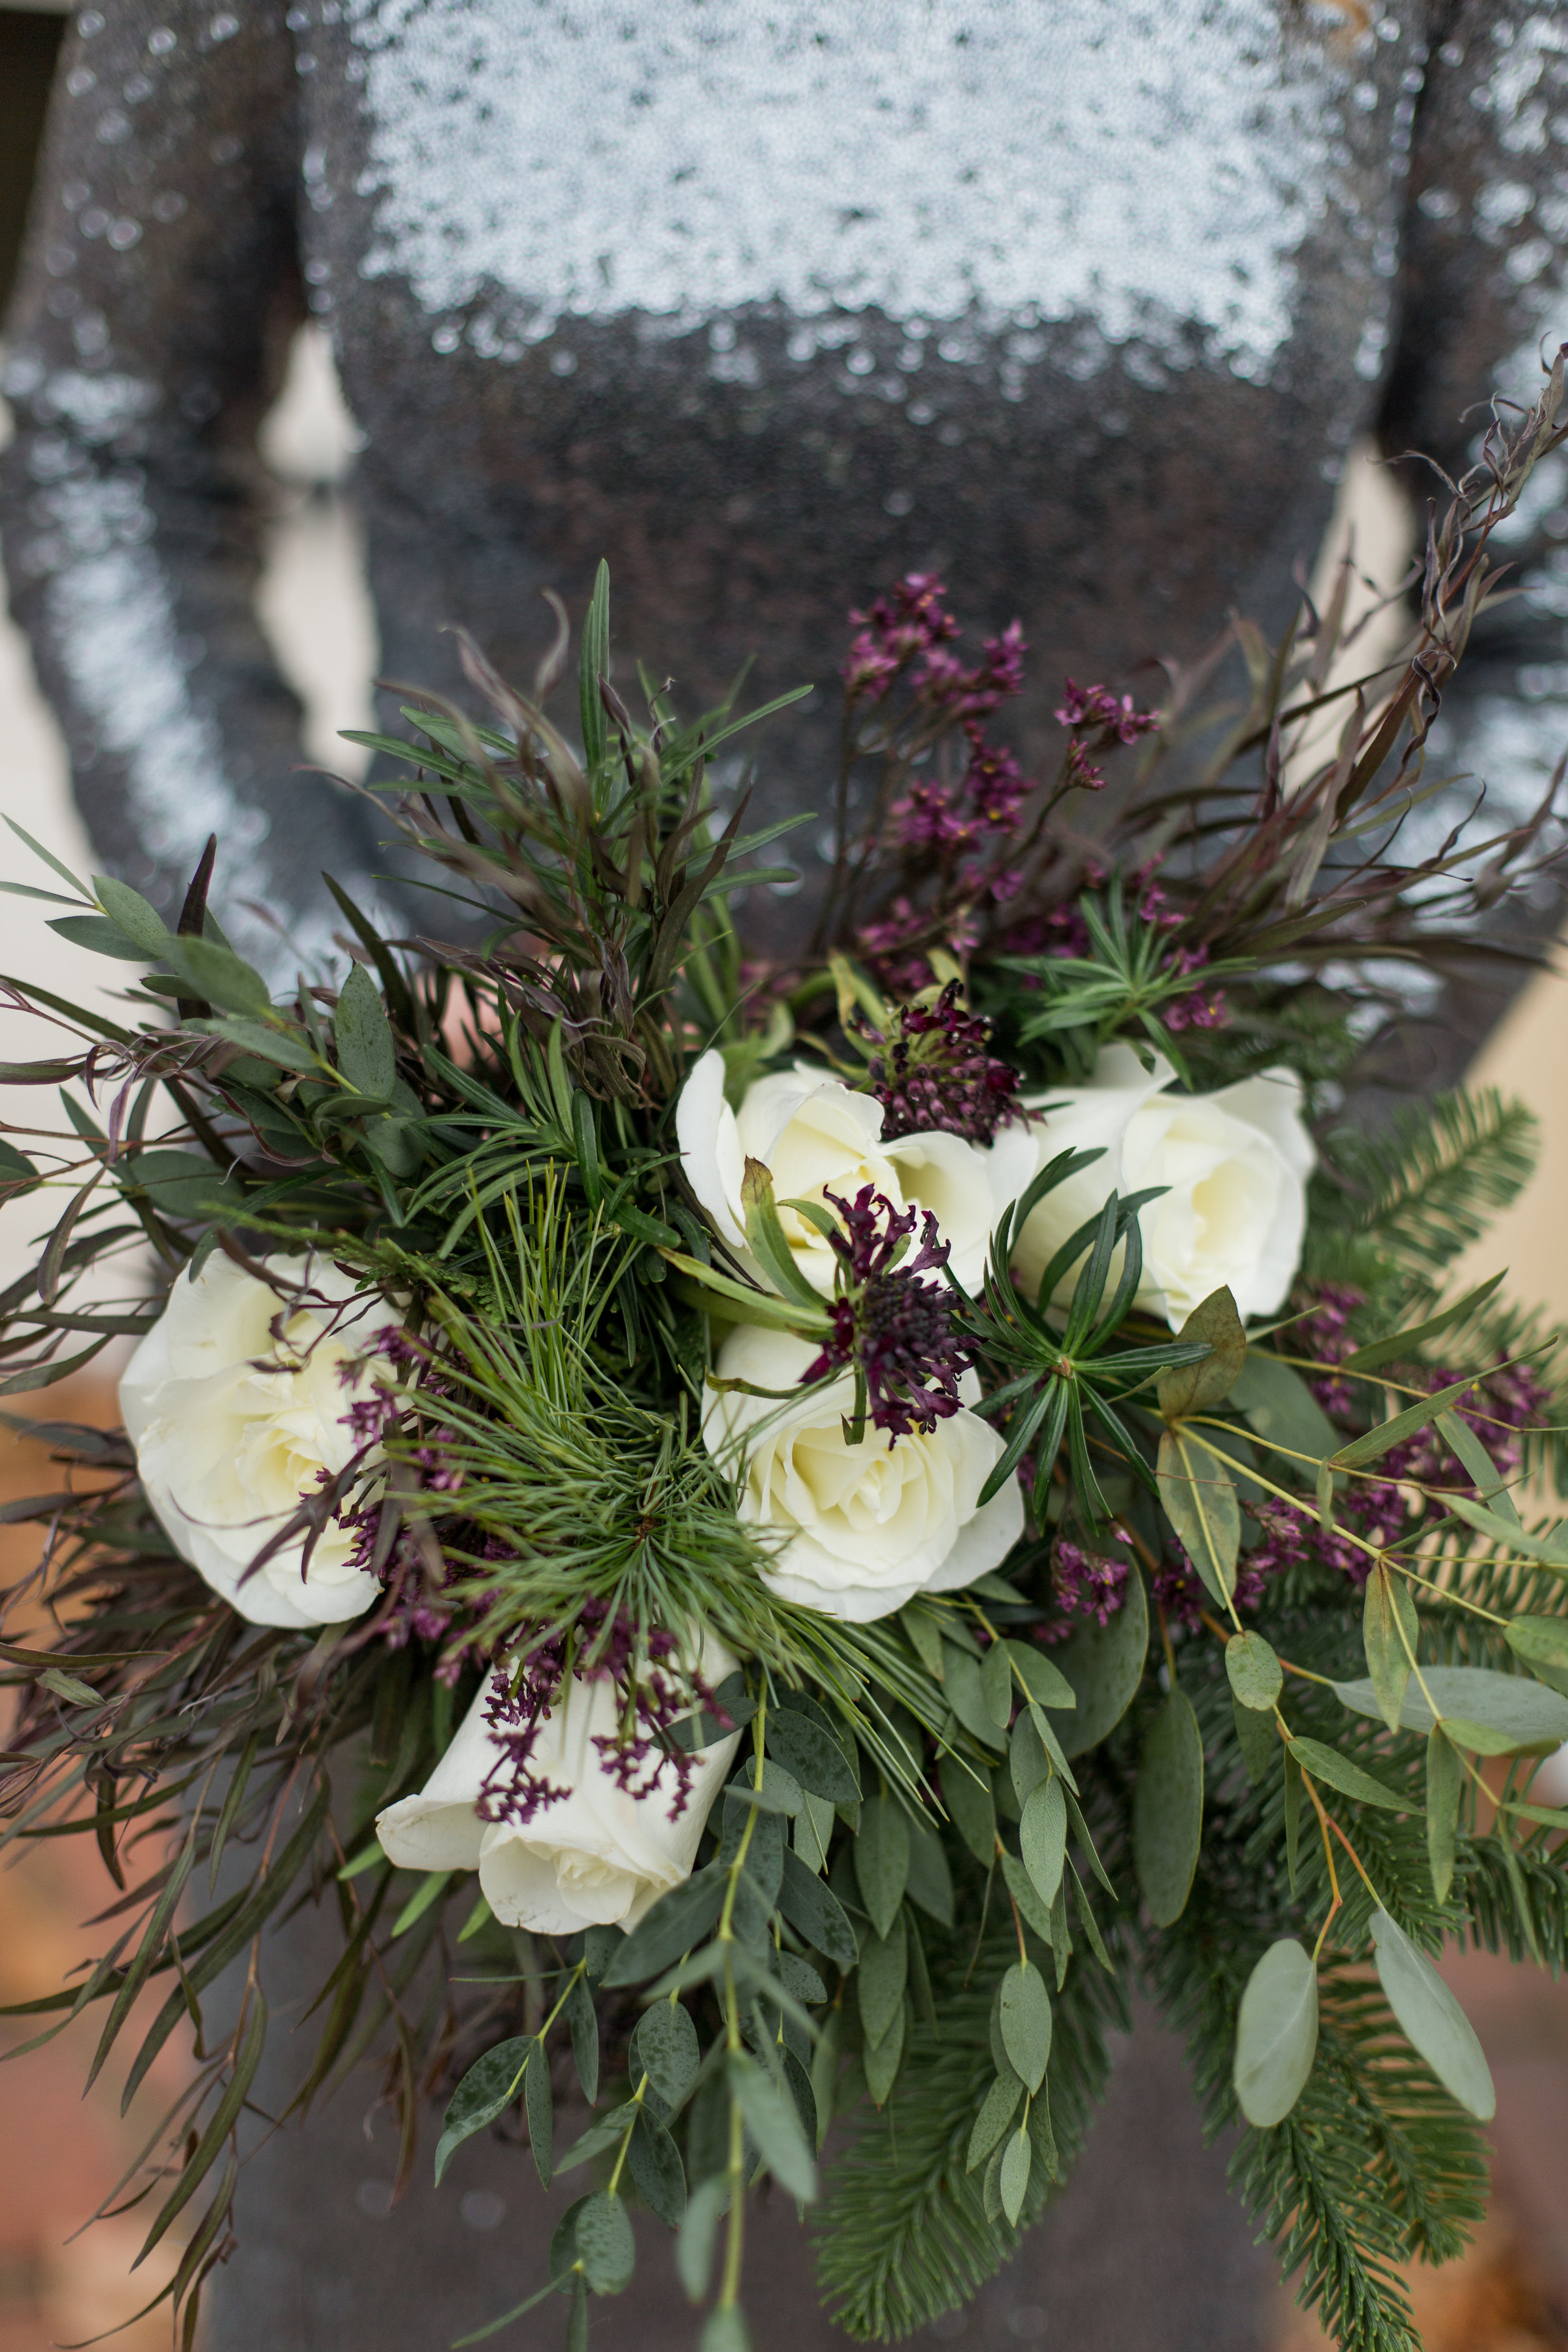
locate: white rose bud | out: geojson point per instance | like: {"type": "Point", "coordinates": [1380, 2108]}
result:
{"type": "Point", "coordinates": [859, 1529]}
{"type": "Point", "coordinates": [230, 1431]}
{"type": "Point", "coordinates": [596, 1855]}
{"type": "Point", "coordinates": [1236, 1164]}
{"type": "Point", "coordinates": [814, 1135]}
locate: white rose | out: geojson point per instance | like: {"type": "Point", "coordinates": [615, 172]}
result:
{"type": "Point", "coordinates": [816, 1135]}
{"type": "Point", "coordinates": [1236, 1164]}
{"type": "Point", "coordinates": [230, 1431]}
{"type": "Point", "coordinates": [596, 1855]}
{"type": "Point", "coordinates": [867, 1526]}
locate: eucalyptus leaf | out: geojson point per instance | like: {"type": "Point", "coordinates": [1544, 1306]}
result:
{"type": "Point", "coordinates": [1198, 1388]}
{"type": "Point", "coordinates": [1014, 2176]}
{"type": "Point", "coordinates": [1276, 2033]}
{"type": "Point", "coordinates": [1389, 1632]}
{"type": "Point", "coordinates": [965, 1692]}
{"type": "Point", "coordinates": [813, 1759]}
{"type": "Point", "coordinates": [1043, 1838]}
{"type": "Point", "coordinates": [1336, 1771]}
{"type": "Point", "coordinates": [966, 1793]}
{"type": "Point", "coordinates": [1044, 1680]}
{"type": "Point", "coordinates": [1198, 1497]}
{"type": "Point", "coordinates": [485, 2093]}
{"type": "Point", "coordinates": [1168, 1809]}
{"type": "Point", "coordinates": [771, 2120]}
{"type": "Point", "coordinates": [1281, 1409]}
{"type": "Point", "coordinates": [1540, 1640]}
{"type": "Point", "coordinates": [1443, 1781]}
{"type": "Point", "coordinates": [883, 2059]}
{"type": "Point", "coordinates": [997, 2109]}
{"type": "Point", "coordinates": [1031, 1910]}
{"type": "Point", "coordinates": [1522, 1710]}
{"type": "Point", "coordinates": [668, 2051]}
{"type": "Point", "coordinates": [604, 2243]}
{"type": "Point", "coordinates": [882, 1860]}
{"type": "Point", "coordinates": [1104, 1665]}
{"type": "Point", "coordinates": [815, 1912]}
{"type": "Point", "coordinates": [1490, 1485]}
{"type": "Point", "coordinates": [1024, 2019]}
{"type": "Point", "coordinates": [1432, 2022]}
{"type": "Point", "coordinates": [930, 1882]}
{"type": "Point", "coordinates": [1254, 1671]}
{"type": "Point", "coordinates": [996, 1684]}
{"type": "Point", "coordinates": [880, 1984]}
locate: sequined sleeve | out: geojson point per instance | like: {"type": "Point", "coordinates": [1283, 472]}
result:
{"type": "Point", "coordinates": [157, 295]}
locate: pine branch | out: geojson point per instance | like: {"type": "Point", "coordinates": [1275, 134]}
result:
{"type": "Point", "coordinates": [902, 2233]}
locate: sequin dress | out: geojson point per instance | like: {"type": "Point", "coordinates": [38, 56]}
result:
{"type": "Point", "coordinates": [1080, 304]}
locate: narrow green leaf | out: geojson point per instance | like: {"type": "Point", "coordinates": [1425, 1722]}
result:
{"type": "Point", "coordinates": [1551, 1550]}
{"type": "Point", "coordinates": [966, 1793]}
{"type": "Point", "coordinates": [1492, 1487]}
{"type": "Point", "coordinates": [700, 2235]}
{"type": "Point", "coordinates": [1337, 1771]}
{"type": "Point", "coordinates": [1443, 1778]}
{"type": "Point", "coordinates": [1014, 2176]}
{"type": "Point", "coordinates": [768, 1242]}
{"type": "Point", "coordinates": [1405, 1343]}
{"type": "Point", "coordinates": [540, 2106]}
{"type": "Point", "coordinates": [676, 1924]}
{"type": "Point", "coordinates": [1432, 2019]}
{"type": "Point", "coordinates": [594, 663]}
{"type": "Point", "coordinates": [1168, 1809]}
{"type": "Point", "coordinates": [1199, 1499]}
{"type": "Point", "coordinates": [996, 1684]}
{"type": "Point", "coordinates": [653, 2161]}
{"type": "Point", "coordinates": [997, 2109]}
{"type": "Point", "coordinates": [1418, 1416]}
{"type": "Point", "coordinates": [582, 2019]}
{"type": "Point", "coordinates": [132, 914]}
{"type": "Point", "coordinates": [485, 2093]}
{"type": "Point", "coordinates": [964, 1692]}
{"type": "Point", "coordinates": [771, 2120]}
{"type": "Point", "coordinates": [220, 976]}
{"type": "Point", "coordinates": [882, 1861]}
{"type": "Point", "coordinates": [883, 1974]}
{"type": "Point", "coordinates": [1041, 1677]}
{"type": "Point", "coordinates": [1389, 1630]}
{"type": "Point", "coordinates": [1031, 1910]}
{"type": "Point", "coordinates": [1276, 2033]}
{"type": "Point", "coordinates": [815, 1912]}
{"type": "Point", "coordinates": [929, 1881]}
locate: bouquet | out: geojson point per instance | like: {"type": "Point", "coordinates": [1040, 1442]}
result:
{"type": "Point", "coordinates": [771, 1535]}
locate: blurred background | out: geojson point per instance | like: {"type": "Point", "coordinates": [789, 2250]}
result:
{"type": "Point", "coordinates": [62, 2155]}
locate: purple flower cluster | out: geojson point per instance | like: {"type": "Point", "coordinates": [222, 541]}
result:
{"type": "Point", "coordinates": [1087, 1584]}
{"type": "Point", "coordinates": [891, 945]}
{"type": "Point", "coordinates": [890, 1324]}
{"type": "Point", "coordinates": [1203, 1009]}
{"type": "Point", "coordinates": [936, 1072]}
{"type": "Point", "coordinates": [1182, 1596]}
{"type": "Point", "coordinates": [637, 1758]}
{"type": "Point", "coordinates": [910, 628]}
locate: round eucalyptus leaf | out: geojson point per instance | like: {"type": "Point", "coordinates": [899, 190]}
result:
{"type": "Point", "coordinates": [1254, 1669]}
{"type": "Point", "coordinates": [1276, 2033]}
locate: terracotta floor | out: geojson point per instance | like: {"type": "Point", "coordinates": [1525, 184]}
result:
{"type": "Point", "coordinates": [61, 2154]}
